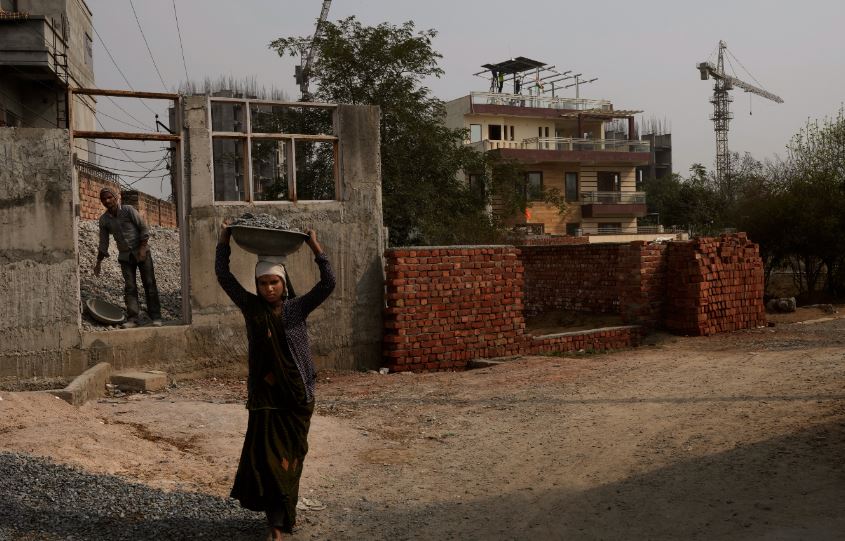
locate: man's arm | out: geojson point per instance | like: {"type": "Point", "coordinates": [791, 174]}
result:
{"type": "Point", "coordinates": [102, 249]}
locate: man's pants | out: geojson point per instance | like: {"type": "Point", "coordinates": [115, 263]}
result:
{"type": "Point", "coordinates": [130, 291]}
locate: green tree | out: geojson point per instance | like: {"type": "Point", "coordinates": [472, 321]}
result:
{"type": "Point", "coordinates": [424, 199]}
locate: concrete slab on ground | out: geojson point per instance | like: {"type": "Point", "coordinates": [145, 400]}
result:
{"type": "Point", "coordinates": [137, 381]}
{"type": "Point", "coordinates": [87, 386]}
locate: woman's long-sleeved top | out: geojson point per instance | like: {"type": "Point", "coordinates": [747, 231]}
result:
{"type": "Point", "coordinates": [260, 326]}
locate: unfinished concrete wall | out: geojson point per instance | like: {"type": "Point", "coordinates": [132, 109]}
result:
{"type": "Point", "coordinates": [346, 330]}
{"type": "Point", "coordinates": [39, 281]}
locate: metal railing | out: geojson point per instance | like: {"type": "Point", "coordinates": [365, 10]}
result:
{"type": "Point", "coordinates": [95, 170]}
{"type": "Point", "coordinates": [612, 198]}
{"type": "Point", "coordinates": [575, 143]}
{"type": "Point", "coordinates": [564, 143]}
{"type": "Point", "coordinates": [543, 102]}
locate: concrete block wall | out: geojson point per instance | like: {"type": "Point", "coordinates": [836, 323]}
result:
{"type": "Point", "coordinates": [346, 329]}
{"type": "Point", "coordinates": [39, 280]}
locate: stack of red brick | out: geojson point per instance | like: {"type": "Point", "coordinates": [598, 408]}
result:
{"type": "Point", "coordinates": [446, 306]}
{"type": "Point", "coordinates": [714, 285]}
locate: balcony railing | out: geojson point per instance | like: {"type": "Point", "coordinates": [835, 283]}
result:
{"type": "Point", "coordinates": [565, 143]}
{"type": "Point", "coordinates": [574, 143]}
{"type": "Point", "coordinates": [543, 102]}
{"type": "Point", "coordinates": [612, 198]}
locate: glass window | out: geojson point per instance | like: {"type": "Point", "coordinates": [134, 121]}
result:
{"type": "Point", "coordinates": [89, 50]}
{"type": "Point", "coordinates": [571, 187]}
{"type": "Point", "coordinates": [608, 181]}
{"type": "Point", "coordinates": [573, 229]}
{"type": "Point", "coordinates": [476, 185]}
{"type": "Point", "coordinates": [494, 132]}
{"type": "Point", "coordinates": [228, 169]}
{"type": "Point", "coordinates": [315, 166]}
{"type": "Point", "coordinates": [270, 169]}
{"type": "Point", "coordinates": [534, 185]}
{"type": "Point", "coordinates": [474, 133]}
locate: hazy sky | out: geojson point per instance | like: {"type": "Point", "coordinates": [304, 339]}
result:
{"type": "Point", "coordinates": [644, 53]}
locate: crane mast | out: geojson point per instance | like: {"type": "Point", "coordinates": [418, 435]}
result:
{"type": "Point", "coordinates": [721, 101]}
{"type": "Point", "coordinates": [302, 72]}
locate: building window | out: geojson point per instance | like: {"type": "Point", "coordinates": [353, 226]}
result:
{"type": "Point", "coordinates": [474, 133]}
{"type": "Point", "coordinates": [608, 181]}
{"type": "Point", "coordinates": [610, 228]}
{"type": "Point", "coordinates": [89, 50]}
{"type": "Point", "coordinates": [573, 229]}
{"type": "Point", "coordinates": [494, 132]}
{"type": "Point", "coordinates": [476, 185]}
{"type": "Point", "coordinates": [273, 151]}
{"type": "Point", "coordinates": [571, 187]}
{"type": "Point", "coordinates": [512, 133]}
{"type": "Point", "coordinates": [534, 185]}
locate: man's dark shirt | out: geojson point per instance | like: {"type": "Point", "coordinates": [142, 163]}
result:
{"type": "Point", "coordinates": [127, 228]}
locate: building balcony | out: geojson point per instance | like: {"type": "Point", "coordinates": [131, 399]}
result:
{"type": "Point", "coordinates": [33, 47]}
{"type": "Point", "coordinates": [570, 149]}
{"type": "Point", "coordinates": [612, 204]}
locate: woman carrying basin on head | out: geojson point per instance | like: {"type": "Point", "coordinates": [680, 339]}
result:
{"type": "Point", "coordinates": [280, 384]}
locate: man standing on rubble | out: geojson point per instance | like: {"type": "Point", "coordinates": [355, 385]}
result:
{"type": "Point", "coordinates": [130, 234]}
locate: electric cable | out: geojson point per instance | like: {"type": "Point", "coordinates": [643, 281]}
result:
{"type": "Point", "coordinates": [137, 20]}
{"type": "Point", "coordinates": [179, 33]}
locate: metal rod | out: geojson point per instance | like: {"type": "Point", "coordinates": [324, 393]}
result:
{"type": "Point", "coordinates": [125, 93]}
{"type": "Point", "coordinates": [127, 136]}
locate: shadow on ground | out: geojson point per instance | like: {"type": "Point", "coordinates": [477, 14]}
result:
{"type": "Point", "coordinates": [786, 488]}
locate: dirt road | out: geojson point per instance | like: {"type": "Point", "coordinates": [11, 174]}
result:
{"type": "Point", "coordinates": [739, 436]}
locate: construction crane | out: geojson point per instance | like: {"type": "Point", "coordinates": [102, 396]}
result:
{"type": "Point", "coordinates": [721, 107]}
{"type": "Point", "coordinates": [302, 72]}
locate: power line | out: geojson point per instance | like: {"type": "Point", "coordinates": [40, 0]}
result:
{"type": "Point", "coordinates": [108, 52]}
{"type": "Point", "coordinates": [179, 32]}
{"type": "Point", "coordinates": [160, 149]}
{"type": "Point", "coordinates": [137, 20]}
{"type": "Point", "coordinates": [100, 154]}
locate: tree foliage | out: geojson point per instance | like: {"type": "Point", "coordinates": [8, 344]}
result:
{"type": "Point", "coordinates": [424, 200]}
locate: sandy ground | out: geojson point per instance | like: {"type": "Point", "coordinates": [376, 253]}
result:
{"type": "Point", "coordinates": [738, 436]}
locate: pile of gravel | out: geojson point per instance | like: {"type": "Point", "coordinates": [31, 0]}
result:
{"type": "Point", "coordinates": [164, 245]}
{"type": "Point", "coordinates": [47, 501]}
{"type": "Point", "coordinates": [262, 220]}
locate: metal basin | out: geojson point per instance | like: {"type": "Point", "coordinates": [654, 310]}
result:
{"type": "Point", "coordinates": [104, 312]}
{"type": "Point", "coordinates": [264, 241]}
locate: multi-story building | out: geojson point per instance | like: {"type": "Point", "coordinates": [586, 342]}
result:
{"type": "Point", "coordinates": [561, 143]}
{"type": "Point", "coordinates": [45, 47]}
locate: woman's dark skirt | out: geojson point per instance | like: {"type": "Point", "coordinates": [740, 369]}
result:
{"type": "Point", "coordinates": [275, 446]}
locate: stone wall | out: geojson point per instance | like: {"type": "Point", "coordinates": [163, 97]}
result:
{"type": "Point", "coordinates": [39, 281]}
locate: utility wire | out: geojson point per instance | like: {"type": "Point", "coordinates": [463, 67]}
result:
{"type": "Point", "coordinates": [108, 52]}
{"type": "Point", "coordinates": [179, 32]}
{"type": "Point", "coordinates": [107, 156]}
{"type": "Point", "coordinates": [137, 20]}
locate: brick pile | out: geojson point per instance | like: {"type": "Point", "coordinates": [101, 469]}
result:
{"type": "Point", "coordinates": [582, 278]}
{"type": "Point", "coordinates": [551, 240]}
{"type": "Point", "coordinates": [714, 285]}
{"type": "Point", "coordinates": [597, 340]}
{"type": "Point", "coordinates": [642, 282]}
{"type": "Point", "coordinates": [446, 306]}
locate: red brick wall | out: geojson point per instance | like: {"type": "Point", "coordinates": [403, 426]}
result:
{"type": "Point", "coordinates": [446, 306]}
{"type": "Point", "coordinates": [714, 285]}
{"type": "Point", "coordinates": [583, 278]}
{"type": "Point", "coordinates": [90, 207]}
{"type": "Point", "coordinates": [642, 280]}
{"type": "Point", "coordinates": [155, 211]}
